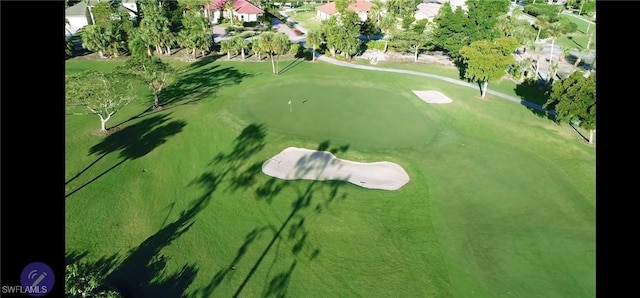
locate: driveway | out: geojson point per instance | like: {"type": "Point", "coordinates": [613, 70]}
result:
{"type": "Point", "coordinates": [281, 27]}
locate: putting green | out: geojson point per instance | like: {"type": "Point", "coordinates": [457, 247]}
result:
{"type": "Point", "coordinates": [360, 114]}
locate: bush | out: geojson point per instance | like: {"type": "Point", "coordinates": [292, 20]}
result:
{"type": "Point", "coordinates": [249, 24]}
{"type": "Point", "coordinates": [299, 51]}
{"type": "Point", "coordinates": [539, 9]}
{"type": "Point", "coordinates": [568, 26]}
{"type": "Point", "coordinates": [375, 45]}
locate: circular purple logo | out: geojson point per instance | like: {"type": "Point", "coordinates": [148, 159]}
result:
{"type": "Point", "coordinates": [37, 279]}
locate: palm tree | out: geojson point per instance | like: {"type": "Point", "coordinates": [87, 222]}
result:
{"type": "Point", "coordinates": [565, 51]}
{"type": "Point", "coordinates": [535, 48]}
{"type": "Point", "coordinates": [553, 69]}
{"type": "Point", "coordinates": [242, 44]}
{"type": "Point", "coordinates": [139, 43]}
{"type": "Point", "coordinates": [541, 22]}
{"type": "Point", "coordinates": [581, 55]}
{"type": "Point", "coordinates": [314, 38]}
{"type": "Point", "coordinates": [388, 25]}
{"type": "Point", "coordinates": [68, 43]}
{"type": "Point", "coordinates": [228, 6]}
{"type": "Point", "coordinates": [265, 41]}
{"type": "Point", "coordinates": [226, 46]}
{"type": "Point", "coordinates": [95, 39]}
{"type": "Point", "coordinates": [281, 46]}
{"type": "Point", "coordinates": [554, 31]}
{"type": "Point", "coordinates": [377, 11]}
{"type": "Point", "coordinates": [255, 47]}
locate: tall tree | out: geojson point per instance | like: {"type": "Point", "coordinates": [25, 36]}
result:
{"type": "Point", "coordinates": [315, 40]}
{"type": "Point", "coordinates": [411, 42]}
{"type": "Point", "coordinates": [273, 44]}
{"type": "Point", "coordinates": [139, 44]}
{"type": "Point", "coordinates": [581, 54]}
{"type": "Point", "coordinates": [103, 94]}
{"type": "Point", "coordinates": [95, 39]}
{"type": "Point", "coordinates": [196, 33]}
{"type": "Point", "coordinates": [228, 7]}
{"type": "Point", "coordinates": [157, 74]}
{"type": "Point", "coordinates": [377, 12]}
{"type": "Point", "coordinates": [388, 25]}
{"type": "Point", "coordinates": [554, 30]}
{"type": "Point", "coordinates": [486, 61]}
{"type": "Point", "coordinates": [255, 48]}
{"type": "Point", "coordinates": [155, 26]}
{"type": "Point", "coordinates": [451, 32]}
{"type": "Point", "coordinates": [574, 100]}
{"type": "Point", "coordinates": [241, 45]}
{"type": "Point", "coordinates": [341, 33]}
{"type": "Point", "coordinates": [483, 16]}
{"type": "Point", "coordinates": [511, 25]}
{"type": "Point", "coordinates": [280, 46]}
{"type": "Point", "coordinates": [226, 46]}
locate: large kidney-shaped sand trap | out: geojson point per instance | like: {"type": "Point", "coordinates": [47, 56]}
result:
{"type": "Point", "coordinates": [431, 96]}
{"type": "Point", "coordinates": [299, 163]}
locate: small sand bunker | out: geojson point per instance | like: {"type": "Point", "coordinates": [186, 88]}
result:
{"type": "Point", "coordinates": [299, 163]}
{"type": "Point", "coordinates": [432, 96]}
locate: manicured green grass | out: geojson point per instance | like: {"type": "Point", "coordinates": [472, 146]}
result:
{"type": "Point", "coordinates": [580, 38]}
{"type": "Point", "coordinates": [506, 86]}
{"type": "Point", "coordinates": [306, 19]}
{"type": "Point", "coordinates": [500, 202]}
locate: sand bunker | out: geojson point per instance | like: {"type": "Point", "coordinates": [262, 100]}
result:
{"type": "Point", "coordinates": [432, 96]}
{"type": "Point", "coordinates": [299, 163]}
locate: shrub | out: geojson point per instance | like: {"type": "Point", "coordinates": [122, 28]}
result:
{"type": "Point", "coordinates": [295, 49]}
{"type": "Point", "coordinates": [249, 24]}
{"type": "Point", "coordinates": [375, 45]}
{"type": "Point", "coordinates": [568, 26]}
{"type": "Point", "coordinates": [538, 9]}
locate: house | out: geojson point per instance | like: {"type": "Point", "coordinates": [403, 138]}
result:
{"type": "Point", "coordinates": [427, 11]}
{"type": "Point", "coordinates": [243, 11]}
{"type": "Point", "coordinates": [361, 7]}
{"type": "Point", "coordinates": [78, 16]}
{"type": "Point", "coordinates": [459, 3]}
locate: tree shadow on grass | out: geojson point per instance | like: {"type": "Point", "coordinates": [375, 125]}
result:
{"type": "Point", "coordinates": [142, 273]}
{"type": "Point", "coordinates": [200, 83]}
{"type": "Point", "coordinates": [134, 141]}
{"type": "Point", "coordinates": [534, 96]}
{"type": "Point", "coordinates": [291, 65]}
{"type": "Point", "coordinates": [583, 65]}
{"type": "Point", "coordinates": [196, 82]}
{"type": "Point", "coordinates": [292, 232]}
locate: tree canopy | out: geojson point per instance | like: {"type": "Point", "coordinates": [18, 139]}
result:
{"type": "Point", "coordinates": [574, 99]}
{"type": "Point", "coordinates": [103, 94]}
{"type": "Point", "coordinates": [486, 61]}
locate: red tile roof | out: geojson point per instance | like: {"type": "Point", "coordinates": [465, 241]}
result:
{"type": "Point", "coordinates": [239, 6]}
{"type": "Point", "coordinates": [359, 5]}
{"type": "Point", "coordinates": [329, 8]}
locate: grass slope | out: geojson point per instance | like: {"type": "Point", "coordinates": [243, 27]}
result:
{"type": "Point", "coordinates": [500, 202]}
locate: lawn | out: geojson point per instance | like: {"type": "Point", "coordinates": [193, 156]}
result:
{"type": "Point", "coordinates": [501, 202]}
{"type": "Point", "coordinates": [306, 19]}
{"type": "Point", "coordinates": [526, 92]}
{"type": "Point", "coordinates": [580, 38]}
